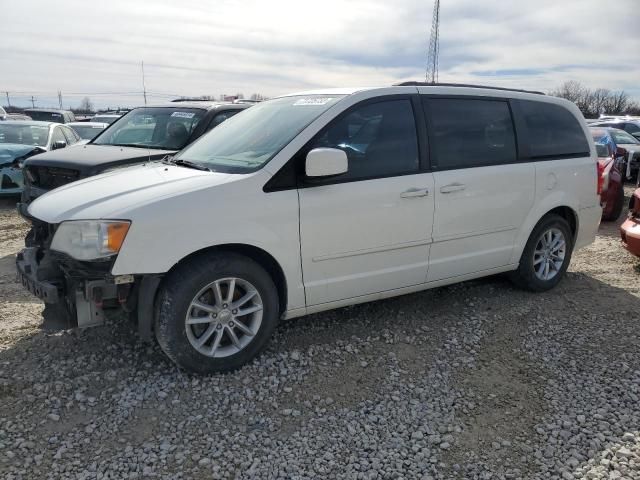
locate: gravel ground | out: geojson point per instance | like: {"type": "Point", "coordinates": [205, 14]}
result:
{"type": "Point", "coordinates": [477, 380]}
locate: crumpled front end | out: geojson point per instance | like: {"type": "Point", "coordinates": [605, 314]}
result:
{"type": "Point", "coordinates": [75, 292]}
{"type": "Point", "coordinates": [11, 180]}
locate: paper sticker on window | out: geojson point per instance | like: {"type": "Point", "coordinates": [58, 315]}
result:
{"type": "Point", "coordinates": [315, 101]}
{"type": "Point", "coordinates": [183, 114]}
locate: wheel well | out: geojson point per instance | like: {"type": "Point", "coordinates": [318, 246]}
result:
{"type": "Point", "coordinates": [264, 259]}
{"type": "Point", "coordinates": [569, 215]}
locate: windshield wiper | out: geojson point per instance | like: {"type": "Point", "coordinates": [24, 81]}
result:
{"type": "Point", "coordinates": [133, 145]}
{"type": "Point", "coordinates": [186, 163]}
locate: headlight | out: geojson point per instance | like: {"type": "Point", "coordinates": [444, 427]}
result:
{"type": "Point", "coordinates": [90, 239]}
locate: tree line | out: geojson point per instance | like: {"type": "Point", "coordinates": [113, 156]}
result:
{"type": "Point", "coordinates": [593, 102]}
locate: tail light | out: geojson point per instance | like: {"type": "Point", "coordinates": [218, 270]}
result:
{"type": "Point", "coordinates": [600, 170]}
{"type": "Point", "coordinates": [603, 170]}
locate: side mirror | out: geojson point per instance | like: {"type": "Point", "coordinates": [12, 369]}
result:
{"type": "Point", "coordinates": [326, 162]}
{"type": "Point", "coordinates": [58, 144]}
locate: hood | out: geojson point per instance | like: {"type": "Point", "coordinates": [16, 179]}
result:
{"type": "Point", "coordinates": [114, 194]}
{"type": "Point", "coordinates": [97, 157]}
{"type": "Point", "coordinates": [10, 151]}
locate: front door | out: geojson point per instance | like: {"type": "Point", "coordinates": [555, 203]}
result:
{"type": "Point", "coordinates": [368, 230]}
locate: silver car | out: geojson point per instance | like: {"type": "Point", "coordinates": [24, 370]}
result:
{"type": "Point", "coordinates": [19, 140]}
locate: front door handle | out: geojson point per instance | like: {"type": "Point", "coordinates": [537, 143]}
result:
{"type": "Point", "coordinates": [453, 187]}
{"type": "Point", "coordinates": [415, 192]}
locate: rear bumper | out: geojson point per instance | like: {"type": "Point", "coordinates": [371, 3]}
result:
{"type": "Point", "coordinates": [588, 223]}
{"type": "Point", "coordinates": [630, 233]}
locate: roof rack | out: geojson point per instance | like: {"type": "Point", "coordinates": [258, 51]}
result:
{"type": "Point", "coordinates": [426, 84]}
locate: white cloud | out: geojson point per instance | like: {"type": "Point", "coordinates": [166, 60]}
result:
{"type": "Point", "coordinates": [225, 46]}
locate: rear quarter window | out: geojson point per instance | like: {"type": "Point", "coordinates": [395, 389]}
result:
{"type": "Point", "coordinates": [553, 131]}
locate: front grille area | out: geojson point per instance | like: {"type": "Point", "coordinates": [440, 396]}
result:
{"type": "Point", "coordinates": [51, 177]}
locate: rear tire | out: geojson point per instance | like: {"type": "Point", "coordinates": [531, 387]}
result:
{"type": "Point", "coordinates": [546, 255]}
{"type": "Point", "coordinates": [201, 321]}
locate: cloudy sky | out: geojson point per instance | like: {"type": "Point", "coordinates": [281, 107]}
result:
{"type": "Point", "coordinates": [196, 47]}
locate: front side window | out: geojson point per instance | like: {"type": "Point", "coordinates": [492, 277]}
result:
{"type": "Point", "coordinates": [58, 136]}
{"type": "Point", "coordinates": [470, 132]}
{"type": "Point", "coordinates": [153, 127]}
{"type": "Point", "coordinates": [70, 135]}
{"type": "Point", "coordinates": [379, 140]}
{"type": "Point", "coordinates": [553, 130]}
{"type": "Point", "coordinates": [632, 128]}
{"type": "Point", "coordinates": [221, 117]}
{"type": "Point", "coordinates": [246, 142]}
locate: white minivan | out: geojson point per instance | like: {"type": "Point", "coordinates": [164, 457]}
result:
{"type": "Point", "coordinates": [318, 200]}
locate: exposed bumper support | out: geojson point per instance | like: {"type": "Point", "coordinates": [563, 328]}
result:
{"type": "Point", "coordinates": [27, 268]}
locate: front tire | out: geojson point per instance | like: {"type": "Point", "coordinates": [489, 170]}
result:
{"type": "Point", "coordinates": [216, 312]}
{"type": "Point", "coordinates": [546, 255]}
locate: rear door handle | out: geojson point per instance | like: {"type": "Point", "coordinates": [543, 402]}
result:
{"type": "Point", "coordinates": [453, 187]}
{"type": "Point", "coordinates": [415, 192]}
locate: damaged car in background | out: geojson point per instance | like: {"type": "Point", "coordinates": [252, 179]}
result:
{"type": "Point", "coordinates": [22, 139]}
{"type": "Point", "coordinates": [144, 134]}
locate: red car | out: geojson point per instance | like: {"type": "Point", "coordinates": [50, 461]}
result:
{"type": "Point", "coordinates": [610, 183]}
{"type": "Point", "coordinates": [630, 229]}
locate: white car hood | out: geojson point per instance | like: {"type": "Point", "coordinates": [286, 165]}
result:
{"type": "Point", "coordinates": [114, 194]}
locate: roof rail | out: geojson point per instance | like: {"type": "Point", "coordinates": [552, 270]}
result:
{"type": "Point", "coordinates": [426, 84]}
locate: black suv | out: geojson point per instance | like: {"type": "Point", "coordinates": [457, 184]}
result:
{"type": "Point", "coordinates": [143, 134]}
{"type": "Point", "coordinates": [50, 115]}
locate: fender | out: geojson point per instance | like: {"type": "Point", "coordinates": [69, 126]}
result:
{"type": "Point", "coordinates": [541, 208]}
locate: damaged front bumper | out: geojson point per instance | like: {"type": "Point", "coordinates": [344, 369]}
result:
{"type": "Point", "coordinates": [84, 290]}
{"type": "Point", "coordinates": [11, 180]}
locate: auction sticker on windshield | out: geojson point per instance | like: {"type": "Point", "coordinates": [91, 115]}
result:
{"type": "Point", "coordinates": [183, 114]}
{"type": "Point", "coordinates": [315, 101]}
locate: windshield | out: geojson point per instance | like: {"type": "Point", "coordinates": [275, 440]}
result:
{"type": "Point", "coordinates": [106, 119]}
{"type": "Point", "coordinates": [620, 136]}
{"type": "Point", "coordinates": [24, 134]}
{"type": "Point", "coordinates": [151, 127]}
{"type": "Point", "coordinates": [87, 132]}
{"type": "Point", "coordinates": [249, 140]}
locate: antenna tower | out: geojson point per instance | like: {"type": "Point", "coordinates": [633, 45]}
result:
{"type": "Point", "coordinates": [434, 45]}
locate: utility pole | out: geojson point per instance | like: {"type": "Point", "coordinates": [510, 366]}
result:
{"type": "Point", "coordinates": [144, 88]}
{"type": "Point", "coordinates": [60, 99]}
{"type": "Point", "coordinates": [33, 102]}
{"type": "Point", "coordinates": [8, 100]}
{"type": "Point", "coordinates": [434, 46]}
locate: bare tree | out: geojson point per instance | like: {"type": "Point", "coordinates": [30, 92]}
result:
{"type": "Point", "coordinates": [594, 102]}
{"type": "Point", "coordinates": [571, 90]}
{"type": "Point", "coordinates": [85, 105]}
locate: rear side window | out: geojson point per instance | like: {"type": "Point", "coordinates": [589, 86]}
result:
{"type": "Point", "coordinates": [379, 139]}
{"type": "Point", "coordinates": [553, 130]}
{"type": "Point", "coordinates": [470, 133]}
